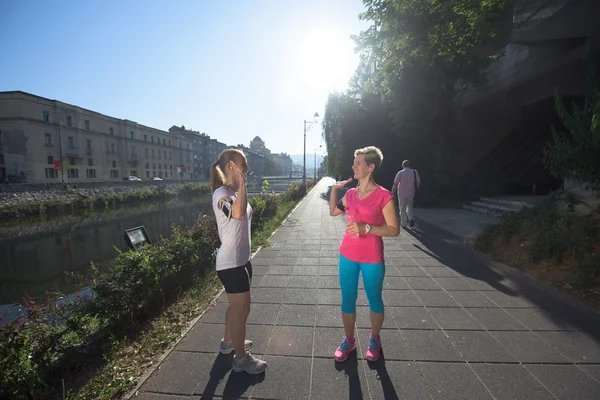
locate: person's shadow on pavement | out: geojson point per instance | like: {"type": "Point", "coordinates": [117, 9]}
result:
{"type": "Point", "coordinates": [389, 392]}
{"type": "Point", "coordinates": [237, 384]}
{"type": "Point", "coordinates": [350, 367]}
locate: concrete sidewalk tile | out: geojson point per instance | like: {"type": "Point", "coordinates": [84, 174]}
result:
{"type": "Point", "coordinates": [400, 262]}
{"type": "Point", "coordinates": [412, 271]}
{"type": "Point", "coordinates": [280, 269]}
{"type": "Point", "coordinates": [429, 346]}
{"type": "Point", "coordinates": [430, 263]}
{"type": "Point", "coordinates": [261, 314]}
{"type": "Point", "coordinates": [259, 270]}
{"type": "Point", "coordinates": [202, 338]}
{"type": "Point", "coordinates": [454, 318]}
{"type": "Point", "coordinates": [296, 315]}
{"type": "Point", "coordinates": [363, 318]}
{"type": "Point", "coordinates": [435, 298]}
{"type": "Point", "coordinates": [452, 381]}
{"type": "Point", "coordinates": [328, 282]}
{"type": "Point", "coordinates": [471, 299]}
{"type": "Point", "coordinates": [495, 319]}
{"type": "Point", "coordinates": [222, 382]}
{"type": "Point", "coordinates": [515, 300]}
{"type": "Point", "coordinates": [216, 314]}
{"type": "Point", "coordinates": [285, 378]}
{"type": "Point", "coordinates": [263, 262]}
{"type": "Point", "coordinates": [412, 317]}
{"type": "Point", "coordinates": [328, 296]}
{"type": "Point", "coordinates": [306, 270]}
{"type": "Point", "coordinates": [566, 382]}
{"type": "Point", "coordinates": [527, 347]}
{"type": "Point", "coordinates": [332, 380]}
{"type": "Point", "coordinates": [291, 341]}
{"type": "Point", "coordinates": [422, 283]}
{"type": "Point", "coordinates": [274, 281]}
{"type": "Point", "coordinates": [483, 284]}
{"type": "Point", "coordinates": [268, 295]}
{"type": "Point", "coordinates": [307, 262]}
{"type": "Point", "coordinates": [578, 347]}
{"type": "Point", "coordinates": [327, 340]}
{"type": "Point", "coordinates": [329, 260]}
{"type": "Point", "coordinates": [403, 298]}
{"type": "Point", "coordinates": [392, 344]}
{"type": "Point", "coordinates": [329, 316]}
{"type": "Point", "coordinates": [479, 346]}
{"type": "Point", "coordinates": [328, 270]}
{"type": "Point", "coordinates": [511, 382]}
{"type": "Point", "coordinates": [300, 296]}
{"type": "Point", "coordinates": [267, 253]}
{"type": "Point", "coordinates": [536, 319]}
{"type": "Point", "coordinates": [591, 369]}
{"type": "Point", "coordinates": [390, 379]}
{"type": "Point", "coordinates": [454, 284]}
{"type": "Point", "coordinates": [440, 272]}
{"type": "Point", "coordinates": [391, 270]}
{"type": "Point", "coordinates": [395, 283]}
{"type": "Point", "coordinates": [303, 282]}
{"type": "Point", "coordinates": [309, 254]}
{"type": "Point", "coordinates": [179, 373]}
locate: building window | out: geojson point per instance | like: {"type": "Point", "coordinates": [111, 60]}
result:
{"type": "Point", "coordinates": [153, 166]}
{"type": "Point", "coordinates": [132, 149]}
{"type": "Point", "coordinates": [171, 167]}
{"type": "Point", "coordinates": [1, 158]}
{"type": "Point", "coordinates": [48, 137]}
{"type": "Point", "coordinates": [114, 164]}
{"type": "Point", "coordinates": [50, 160]}
{"type": "Point", "coordinates": [160, 174]}
{"type": "Point", "coordinates": [169, 142]}
{"type": "Point", "coordinates": [147, 166]}
{"type": "Point", "coordinates": [151, 139]}
{"type": "Point", "coordinates": [159, 154]}
{"type": "Point", "coordinates": [72, 161]}
{"type": "Point", "coordinates": [112, 147]}
{"type": "Point", "coordinates": [147, 174]}
{"type": "Point", "coordinates": [164, 142]}
{"type": "Point", "coordinates": [147, 153]}
{"type": "Point", "coordinates": [73, 173]}
{"type": "Point", "coordinates": [165, 154]}
{"type": "Point", "coordinates": [131, 134]}
{"type": "Point", "coordinates": [46, 116]}
{"type": "Point", "coordinates": [87, 124]}
{"type": "Point", "coordinates": [90, 161]}
{"type": "Point", "coordinates": [170, 155]}
{"type": "Point", "coordinates": [171, 174]}
{"type": "Point", "coordinates": [133, 172]}
{"type": "Point", "coordinates": [69, 120]}
{"type": "Point", "coordinates": [153, 173]}
{"type": "Point", "coordinates": [50, 173]}
{"type": "Point", "coordinates": [114, 173]}
{"type": "Point", "coordinates": [152, 153]}
{"type": "Point", "coordinates": [111, 131]}
{"type": "Point", "coordinates": [88, 145]}
{"type": "Point", "coordinates": [159, 166]}
{"type": "Point", "coordinates": [71, 142]}
{"type": "Point", "coordinates": [145, 138]}
{"type": "Point", "coordinates": [90, 173]}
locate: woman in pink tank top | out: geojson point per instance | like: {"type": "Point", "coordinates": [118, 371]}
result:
{"type": "Point", "coordinates": [371, 216]}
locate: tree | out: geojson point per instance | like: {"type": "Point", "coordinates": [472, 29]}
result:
{"type": "Point", "coordinates": [421, 49]}
{"type": "Point", "coordinates": [575, 154]}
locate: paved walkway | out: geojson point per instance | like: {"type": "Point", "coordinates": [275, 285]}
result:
{"type": "Point", "coordinates": [457, 327]}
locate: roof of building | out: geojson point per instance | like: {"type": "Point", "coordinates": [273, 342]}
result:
{"type": "Point", "coordinates": [257, 139]}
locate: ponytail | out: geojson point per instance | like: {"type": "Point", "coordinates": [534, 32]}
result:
{"type": "Point", "coordinates": [217, 175]}
{"type": "Point", "coordinates": [217, 178]}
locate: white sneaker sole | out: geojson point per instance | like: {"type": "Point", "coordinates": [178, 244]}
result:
{"type": "Point", "coordinates": [248, 372]}
{"type": "Point", "coordinates": [231, 350]}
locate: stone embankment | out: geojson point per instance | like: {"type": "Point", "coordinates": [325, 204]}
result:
{"type": "Point", "coordinates": [71, 195]}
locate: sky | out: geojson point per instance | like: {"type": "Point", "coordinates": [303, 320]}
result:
{"type": "Point", "coordinates": [234, 69]}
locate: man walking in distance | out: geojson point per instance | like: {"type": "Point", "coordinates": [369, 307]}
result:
{"type": "Point", "coordinates": [407, 182]}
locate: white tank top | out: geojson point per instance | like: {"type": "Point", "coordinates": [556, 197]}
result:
{"type": "Point", "coordinates": [234, 233]}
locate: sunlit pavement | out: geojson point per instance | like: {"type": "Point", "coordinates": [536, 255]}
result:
{"type": "Point", "coordinates": [457, 327]}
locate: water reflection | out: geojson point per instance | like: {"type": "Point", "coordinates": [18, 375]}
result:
{"type": "Point", "coordinates": [35, 251]}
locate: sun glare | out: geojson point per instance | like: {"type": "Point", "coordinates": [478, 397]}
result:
{"type": "Point", "coordinates": [326, 61]}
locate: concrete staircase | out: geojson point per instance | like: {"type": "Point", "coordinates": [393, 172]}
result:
{"type": "Point", "coordinates": [495, 206]}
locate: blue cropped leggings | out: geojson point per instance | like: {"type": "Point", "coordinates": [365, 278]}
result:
{"type": "Point", "coordinates": [372, 278]}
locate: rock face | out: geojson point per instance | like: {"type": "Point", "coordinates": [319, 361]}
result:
{"type": "Point", "coordinates": [28, 197]}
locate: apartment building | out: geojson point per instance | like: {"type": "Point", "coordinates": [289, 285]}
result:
{"type": "Point", "coordinates": [205, 150]}
{"type": "Point", "coordinates": [43, 141]}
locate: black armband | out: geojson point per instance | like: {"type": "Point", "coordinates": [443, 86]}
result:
{"type": "Point", "coordinates": [340, 205]}
{"type": "Point", "coordinates": [226, 207]}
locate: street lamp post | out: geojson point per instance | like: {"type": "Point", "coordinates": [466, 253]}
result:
{"type": "Point", "coordinates": [320, 147]}
{"type": "Point", "coordinates": [310, 125]}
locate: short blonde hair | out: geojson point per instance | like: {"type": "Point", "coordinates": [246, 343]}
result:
{"type": "Point", "coordinates": [372, 155]}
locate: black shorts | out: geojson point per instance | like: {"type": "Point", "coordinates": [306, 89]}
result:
{"type": "Point", "coordinates": [236, 280]}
